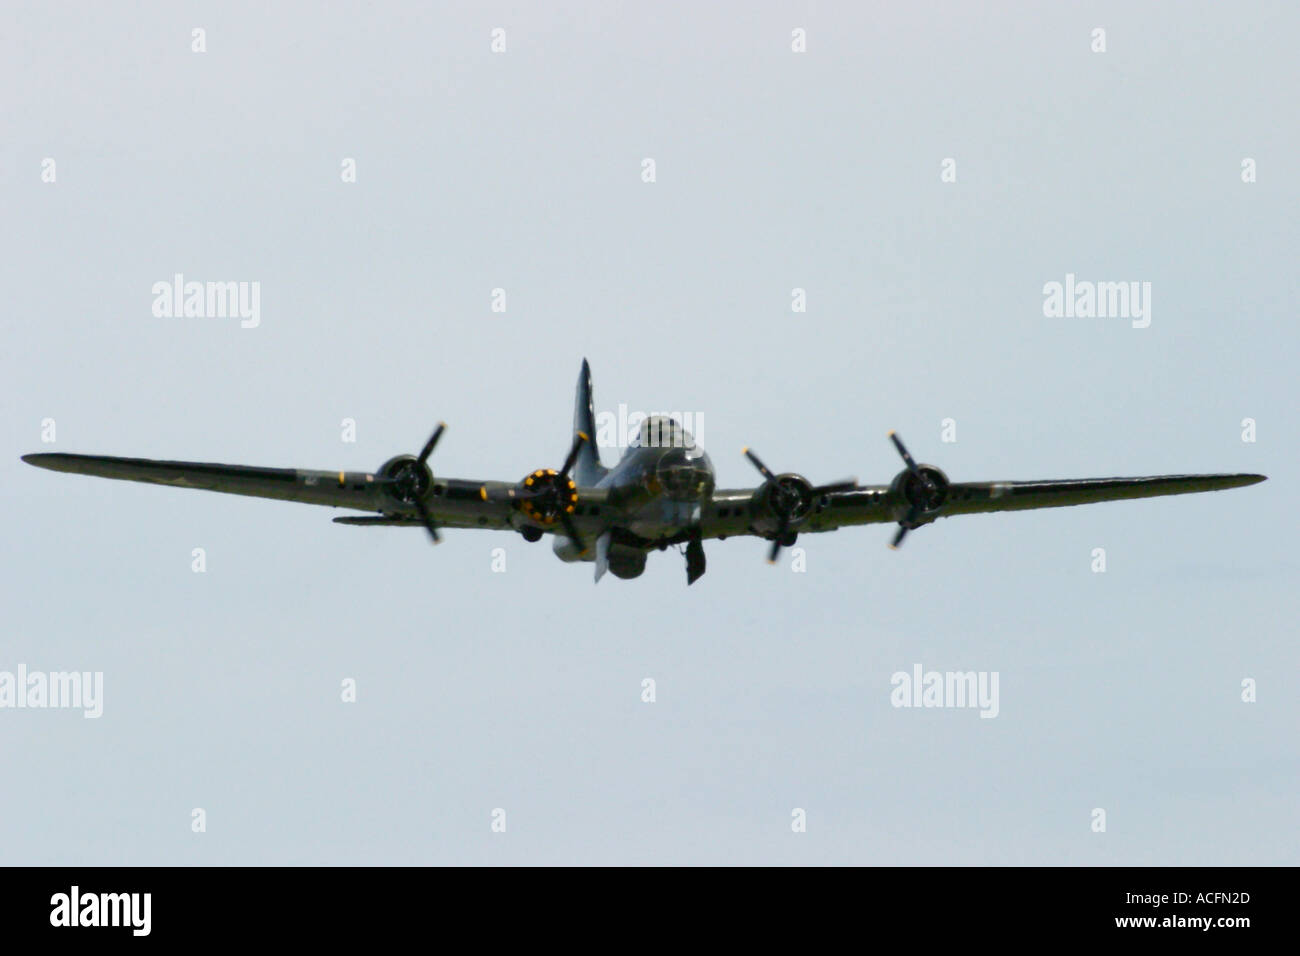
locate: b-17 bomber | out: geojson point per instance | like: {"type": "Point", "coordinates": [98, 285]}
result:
{"type": "Point", "coordinates": [661, 493]}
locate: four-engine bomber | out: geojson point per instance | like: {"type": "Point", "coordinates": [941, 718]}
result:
{"type": "Point", "coordinates": [660, 493]}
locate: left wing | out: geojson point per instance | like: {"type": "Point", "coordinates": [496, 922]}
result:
{"type": "Point", "coordinates": [396, 495]}
{"type": "Point", "coordinates": [451, 502]}
{"type": "Point", "coordinates": [339, 489]}
{"type": "Point", "coordinates": [404, 491]}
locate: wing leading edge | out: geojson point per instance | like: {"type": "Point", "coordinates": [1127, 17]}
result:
{"type": "Point", "coordinates": [989, 496]}
{"type": "Point", "coordinates": [740, 511]}
{"type": "Point", "coordinates": [453, 502]}
{"type": "Point", "coordinates": [337, 488]}
{"type": "Point", "coordinates": [461, 503]}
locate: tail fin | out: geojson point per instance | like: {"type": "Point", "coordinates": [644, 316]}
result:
{"type": "Point", "coordinates": [588, 470]}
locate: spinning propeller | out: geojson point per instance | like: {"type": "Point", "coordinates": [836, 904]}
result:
{"type": "Point", "coordinates": [790, 498]}
{"type": "Point", "coordinates": [409, 480]}
{"type": "Point", "coordinates": [546, 495]}
{"type": "Point", "coordinates": [922, 491]}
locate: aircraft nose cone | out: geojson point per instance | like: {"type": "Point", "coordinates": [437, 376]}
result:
{"type": "Point", "coordinates": [685, 474]}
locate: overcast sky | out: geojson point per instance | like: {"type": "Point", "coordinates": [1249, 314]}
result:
{"type": "Point", "coordinates": [774, 170]}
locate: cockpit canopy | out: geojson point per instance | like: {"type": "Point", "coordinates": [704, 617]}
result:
{"type": "Point", "coordinates": [684, 474]}
{"type": "Point", "coordinates": [681, 471]}
{"type": "Point", "coordinates": [661, 431]}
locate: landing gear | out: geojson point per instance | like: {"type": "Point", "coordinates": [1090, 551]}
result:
{"type": "Point", "coordinates": [530, 533]}
{"type": "Point", "coordinates": [694, 559]}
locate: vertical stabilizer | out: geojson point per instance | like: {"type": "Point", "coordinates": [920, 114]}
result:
{"type": "Point", "coordinates": [588, 470]}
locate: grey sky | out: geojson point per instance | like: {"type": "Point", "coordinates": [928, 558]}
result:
{"type": "Point", "coordinates": [775, 170]}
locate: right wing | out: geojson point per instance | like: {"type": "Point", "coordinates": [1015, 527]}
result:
{"type": "Point", "coordinates": [452, 502]}
{"type": "Point", "coordinates": [965, 498]}
{"type": "Point", "coordinates": [733, 512]}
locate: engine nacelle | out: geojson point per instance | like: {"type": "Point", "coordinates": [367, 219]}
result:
{"type": "Point", "coordinates": [789, 495]}
{"type": "Point", "coordinates": [404, 478]}
{"type": "Point", "coordinates": [546, 494]}
{"type": "Point", "coordinates": [909, 494]}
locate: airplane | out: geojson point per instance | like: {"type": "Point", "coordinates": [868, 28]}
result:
{"type": "Point", "coordinates": [661, 493]}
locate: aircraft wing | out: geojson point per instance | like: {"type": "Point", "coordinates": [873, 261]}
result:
{"type": "Point", "coordinates": [286, 484]}
{"type": "Point", "coordinates": [452, 502]}
{"type": "Point", "coordinates": [986, 496]}
{"type": "Point", "coordinates": [735, 511]}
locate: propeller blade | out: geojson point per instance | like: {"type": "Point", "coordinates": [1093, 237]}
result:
{"type": "Point", "coordinates": [781, 531]}
{"type": "Point", "coordinates": [571, 529]}
{"type": "Point", "coordinates": [578, 440]}
{"type": "Point", "coordinates": [431, 443]}
{"type": "Point", "coordinates": [763, 469]}
{"type": "Point", "coordinates": [904, 526]}
{"type": "Point", "coordinates": [428, 520]}
{"type": "Point", "coordinates": [907, 459]}
{"type": "Point", "coordinates": [911, 463]}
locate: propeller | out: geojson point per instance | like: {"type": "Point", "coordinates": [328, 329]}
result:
{"type": "Point", "coordinates": [915, 509]}
{"type": "Point", "coordinates": [547, 495]}
{"type": "Point", "coordinates": [410, 479]}
{"type": "Point", "coordinates": [578, 440]}
{"type": "Point", "coordinates": [791, 497]}
{"type": "Point", "coordinates": [427, 518]}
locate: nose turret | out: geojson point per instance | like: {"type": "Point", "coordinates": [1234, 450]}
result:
{"type": "Point", "coordinates": [685, 474]}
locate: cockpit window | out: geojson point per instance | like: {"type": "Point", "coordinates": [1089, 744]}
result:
{"type": "Point", "coordinates": [684, 475]}
{"type": "Point", "coordinates": [660, 431]}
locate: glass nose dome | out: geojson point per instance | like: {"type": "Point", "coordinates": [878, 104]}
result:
{"type": "Point", "coordinates": [685, 474]}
